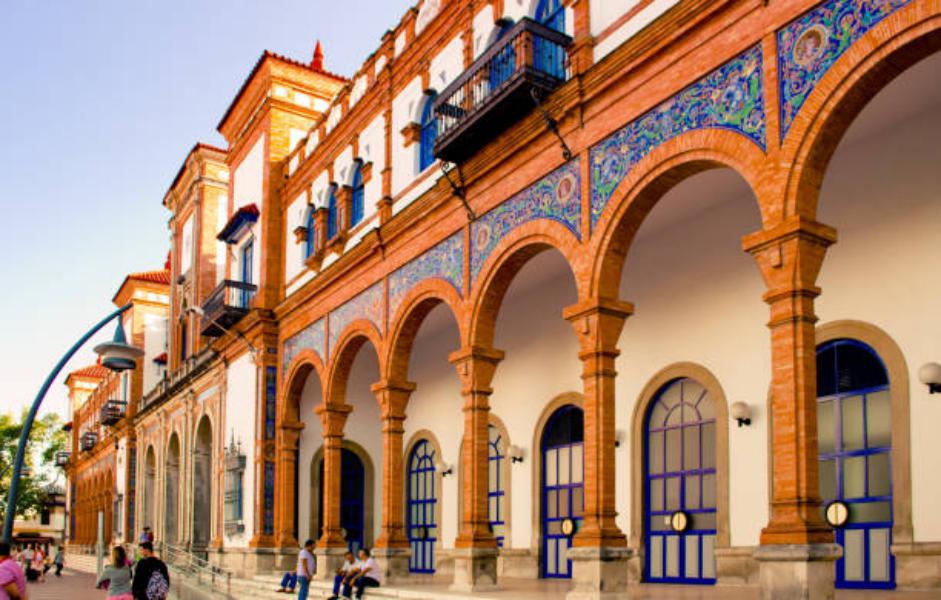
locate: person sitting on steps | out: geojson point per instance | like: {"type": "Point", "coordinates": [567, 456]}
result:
{"type": "Point", "coordinates": [368, 575]}
{"type": "Point", "coordinates": [347, 570]}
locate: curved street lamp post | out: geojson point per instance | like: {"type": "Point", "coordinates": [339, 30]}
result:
{"type": "Point", "coordinates": [116, 355]}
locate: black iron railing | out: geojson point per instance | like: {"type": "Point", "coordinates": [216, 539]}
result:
{"type": "Point", "coordinates": [499, 85]}
{"type": "Point", "coordinates": [113, 411]}
{"type": "Point", "coordinates": [62, 459]}
{"type": "Point", "coordinates": [226, 305]}
{"type": "Point", "coordinates": [88, 441]}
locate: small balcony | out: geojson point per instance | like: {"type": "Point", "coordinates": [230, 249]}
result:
{"type": "Point", "coordinates": [226, 306]}
{"type": "Point", "coordinates": [112, 412]}
{"type": "Point", "coordinates": [498, 89]}
{"type": "Point", "coordinates": [62, 459]}
{"type": "Point", "coordinates": [88, 441]}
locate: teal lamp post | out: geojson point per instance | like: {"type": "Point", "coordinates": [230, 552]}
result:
{"type": "Point", "coordinates": [116, 355]}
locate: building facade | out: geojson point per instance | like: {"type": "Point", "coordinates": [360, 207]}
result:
{"type": "Point", "coordinates": [600, 290]}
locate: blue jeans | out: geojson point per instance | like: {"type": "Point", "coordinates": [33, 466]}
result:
{"type": "Point", "coordinates": [304, 585]}
{"type": "Point", "coordinates": [289, 581]}
{"type": "Point", "coordinates": [337, 582]}
{"type": "Point", "coordinates": [360, 585]}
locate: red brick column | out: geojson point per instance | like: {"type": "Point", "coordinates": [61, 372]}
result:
{"type": "Point", "coordinates": [598, 325]}
{"type": "Point", "coordinates": [393, 399]}
{"type": "Point", "coordinates": [284, 525]}
{"type": "Point", "coordinates": [333, 419]}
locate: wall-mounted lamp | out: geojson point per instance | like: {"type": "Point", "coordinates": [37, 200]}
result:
{"type": "Point", "coordinates": [517, 454]}
{"type": "Point", "coordinates": [930, 375]}
{"type": "Point", "coordinates": [618, 436]}
{"type": "Point", "coordinates": [741, 412]}
{"type": "Point", "coordinates": [444, 468]}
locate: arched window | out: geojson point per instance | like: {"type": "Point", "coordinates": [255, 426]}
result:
{"type": "Point", "coordinates": [680, 485]}
{"type": "Point", "coordinates": [422, 503]}
{"type": "Point", "coordinates": [551, 13]}
{"type": "Point", "coordinates": [854, 441]}
{"type": "Point", "coordinates": [496, 489]}
{"type": "Point", "coordinates": [358, 202]}
{"type": "Point", "coordinates": [429, 133]}
{"type": "Point", "coordinates": [311, 246]}
{"type": "Point", "coordinates": [332, 219]}
{"type": "Point", "coordinates": [563, 493]}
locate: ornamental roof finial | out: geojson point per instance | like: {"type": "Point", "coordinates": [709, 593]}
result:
{"type": "Point", "coordinates": [317, 63]}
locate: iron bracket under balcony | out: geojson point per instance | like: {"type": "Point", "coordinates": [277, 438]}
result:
{"type": "Point", "coordinates": [497, 89]}
{"type": "Point", "coordinates": [225, 306]}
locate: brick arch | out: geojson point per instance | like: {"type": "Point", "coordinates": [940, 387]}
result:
{"type": "Point", "coordinates": [868, 66]}
{"type": "Point", "coordinates": [506, 261]}
{"type": "Point", "coordinates": [653, 177]}
{"type": "Point", "coordinates": [404, 327]}
{"type": "Point", "coordinates": [359, 333]}
{"type": "Point", "coordinates": [306, 363]}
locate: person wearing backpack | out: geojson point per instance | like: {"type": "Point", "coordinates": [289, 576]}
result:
{"type": "Point", "coordinates": [151, 578]}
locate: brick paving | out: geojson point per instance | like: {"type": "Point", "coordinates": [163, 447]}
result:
{"type": "Point", "coordinates": [73, 585]}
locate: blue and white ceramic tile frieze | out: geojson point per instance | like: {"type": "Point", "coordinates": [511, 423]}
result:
{"type": "Point", "coordinates": [731, 97]}
{"type": "Point", "coordinates": [311, 337]}
{"type": "Point", "coordinates": [557, 196]}
{"type": "Point", "coordinates": [809, 45]}
{"type": "Point", "coordinates": [444, 261]}
{"type": "Point", "coordinates": [367, 305]}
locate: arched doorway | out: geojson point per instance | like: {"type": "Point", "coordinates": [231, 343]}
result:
{"type": "Point", "coordinates": [202, 486]}
{"type": "Point", "coordinates": [680, 508]}
{"type": "Point", "coordinates": [150, 487]}
{"type": "Point", "coordinates": [562, 450]}
{"type": "Point", "coordinates": [854, 437]}
{"type": "Point", "coordinates": [421, 510]}
{"type": "Point", "coordinates": [352, 498]}
{"type": "Point", "coordinates": [496, 483]}
{"type": "Point", "coordinates": [171, 529]}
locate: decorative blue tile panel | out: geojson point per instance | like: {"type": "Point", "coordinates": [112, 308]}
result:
{"type": "Point", "coordinates": [731, 97]}
{"type": "Point", "coordinates": [809, 45]}
{"type": "Point", "coordinates": [312, 337]}
{"type": "Point", "coordinates": [269, 498]}
{"type": "Point", "coordinates": [557, 196]}
{"type": "Point", "coordinates": [271, 401]}
{"type": "Point", "coordinates": [444, 261]}
{"type": "Point", "coordinates": [367, 305]}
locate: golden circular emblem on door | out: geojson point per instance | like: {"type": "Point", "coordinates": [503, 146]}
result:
{"type": "Point", "coordinates": [837, 514]}
{"type": "Point", "coordinates": [568, 527]}
{"type": "Point", "coordinates": [679, 521]}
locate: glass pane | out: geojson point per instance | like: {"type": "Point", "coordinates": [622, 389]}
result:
{"type": "Point", "coordinates": [709, 490]}
{"type": "Point", "coordinates": [691, 543]}
{"type": "Point", "coordinates": [709, 556]}
{"type": "Point", "coordinates": [551, 469]}
{"type": "Point", "coordinates": [879, 419]}
{"type": "Point", "coordinates": [853, 554]}
{"type": "Point", "coordinates": [660, 523]}
{"type": "Point", "coordinates": [692, 492]}
{"type": "Point", "coordinates": [852, 415]}
{"type": "Point", "coordinates": [492, 480]}
{"type": "Point", "coordinates": [826, 428]}
{"type": "Point", "coordinates": [709, 445]}
{"type": "Point", "coordinates": [564, 455]}
{"type": "Point", "coordinates": [554, 528]}
{"type": "Point", "coordinates": [707, 409]}
{"type": "Point", "coordinates": [703, 521]}
{"type": "Point", "coordinates": [673, 450]}
{"type": "Point", "coordinates": [879, 555]}
{"type": "Point", "coordinates": [869, 512]}
{"type": "Point", "coordinates": [827, 476]}
{"type": "Point", "coordinates": [656, 494]}
{"type": "Point", "coordinates": [673, 493]}
{"type": "Point", "coordinates": [656, 556]}
{"type": "Point", "coordinates": [854, 477]}
{"type": "Point", "coordinates": [880, 482]}
{"type": "Point", "coordinates": [577, 464]}
{"type": "Point", "coordinates": [673, 556]}
{"type": "Point", "coordinates": [675, 417]}
{"type": "Point", "coordinates": [658, 415]}
{"type": "Point", "coordinates": [551, 562]}
{"type": "Point", "coordinates": [578, 502]}
{"type": "Point", "coordinates": [671, 395]}
{"type": "Point", "coordinates": [552, 510]}
{"type": "Point", "coordinates": [655, 453]}
{"type": "Point", "coordinates": [691, 448]}
{"type": "Point", "coordinates": [564, 503]}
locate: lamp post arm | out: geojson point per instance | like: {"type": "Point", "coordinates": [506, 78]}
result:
{"type": "Point", "coordinates": [28, 425]}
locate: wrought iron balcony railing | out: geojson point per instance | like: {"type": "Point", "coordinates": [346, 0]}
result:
{"type": "Point", "coordinates": [226, 305]}
{"type": "Point", "coordinates": [112, 412]}
{"type": "Point", "coordinates": [62, 459]}
{"type": "Point", "coordinates": [499, 88]}
{"type": "Point", "coordinates": [88, 441]}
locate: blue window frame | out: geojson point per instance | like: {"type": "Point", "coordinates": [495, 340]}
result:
{"type": "Point", "coordinates": [496, 491]}
{"type": "Point", "coordinates": [352, 500]}
{"type": "Point", "coordinates": [358, 203]}
{"type": "Point", "coordinates": [429, 133]}
{"type": "Point", "coordinates": [547, 57]}
{"type": "Point", "coordinates": [332, 213]}
{"type": "Point", "coordinates": [680, 475]}
{"type": "Point", "coordinates": [503, 65]}
{"type": "Point", "coordinates": [182, 342]}
{"type": "Point", "coordinates": [563, 493]}
{"type": "Point", "coordinates": [854, 437]}
{"type": "Point", "coordinates": [311, 246]}
{"type": "Point", "coordinates": [422, 502]}
{"type": "Point", "coordinates": [551, 13]}
{"type": "Point", "coordinates": [248, 260]}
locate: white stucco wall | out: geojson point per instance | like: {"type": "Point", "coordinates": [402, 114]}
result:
{"type": "Point", "coordinates": [155, 343]}
{"type": "Point", "coordinates": [405, 159]}
{"type": "Point", "coordinates": [248, 178]}
{"type": "Point", "coordinates": [605, 13]}
{"type": "Point", "coordinates": [310, 441]}
{"type": "Point", "coordinates": [240, 414]}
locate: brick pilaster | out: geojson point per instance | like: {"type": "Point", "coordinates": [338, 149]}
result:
{"type": "Point", "coordinates": [790, 256]}
{"type": "Point", "coordinates": [284, 517]}
{"type": "Point", "coordinates": [333, 418]}
{"type": "Point", "coordinates": [476, 367]}
{"type": "Point", "coordinates": [598, 325]}
{"type": "Point", "coordinates": [393, 398]}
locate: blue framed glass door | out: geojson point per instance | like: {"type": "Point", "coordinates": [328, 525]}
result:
{"type": "Point", "coordinates": [248, 259]}
{"type": "Point", "coordinates": [854, 443]}
{"type": "Point", "coordinates": [503, 65]}
{"type": "Point", "coordinates": [680, 477]}
{"type": "Point", "coordinates": [352, 500]}
{"type": "Point", "coordinates": [422, 502]}
{"type": "Point", "coordinates": [550, 58]}
{"type": "Point", "coordinates": [563, 493]}
{"type": "Point", "coordinates": [496, 491]}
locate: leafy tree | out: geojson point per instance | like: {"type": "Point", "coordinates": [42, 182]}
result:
{"type": "Point", "coordinates": [46, 438]}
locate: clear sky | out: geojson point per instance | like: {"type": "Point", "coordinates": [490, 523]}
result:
{"type": "Point", "coordinates": [100, 102]}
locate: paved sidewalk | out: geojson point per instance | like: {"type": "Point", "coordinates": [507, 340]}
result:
{"type": "Point", "coordinates": [71, 586]}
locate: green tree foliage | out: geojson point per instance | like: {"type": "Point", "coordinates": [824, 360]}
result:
{"type": "Point", "coordinates": [46, 438]}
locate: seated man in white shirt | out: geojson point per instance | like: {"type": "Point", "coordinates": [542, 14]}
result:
{"type": "Point", "coordinates": [369, 574]}
{"type": "Point", "coordinates": [343, 575]}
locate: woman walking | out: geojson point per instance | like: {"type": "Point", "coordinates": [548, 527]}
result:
{"type": "Point", "coordinates": [116, 577]}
